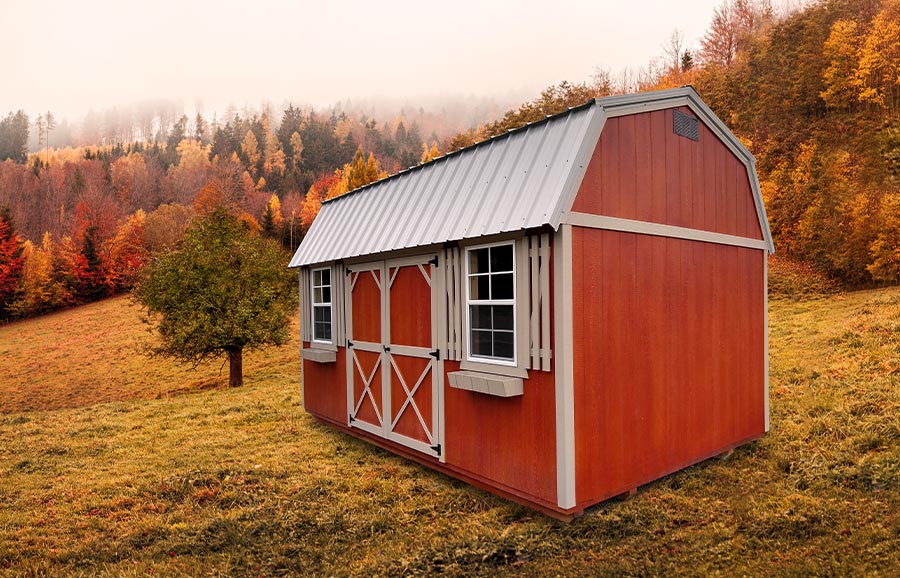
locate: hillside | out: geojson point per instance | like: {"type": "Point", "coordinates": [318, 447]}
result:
{"type": "Point", "coordinates": [181, 476]}
{"type": "Point", "coordinates": [96, 354]}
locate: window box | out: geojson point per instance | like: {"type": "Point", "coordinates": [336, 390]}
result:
{"type": "Point", "coordinates": [490, 384]}
{"type": "Point", "coordinates": [319, 355]}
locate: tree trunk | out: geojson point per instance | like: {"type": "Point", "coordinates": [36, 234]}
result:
{"type": "Point", "coordinates": [235, 367]}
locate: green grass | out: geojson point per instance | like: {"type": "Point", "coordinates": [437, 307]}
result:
{"type": "Point", "coordinates": [180, 475]}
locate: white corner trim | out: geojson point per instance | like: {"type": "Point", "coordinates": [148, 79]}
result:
{"type": "Point", "coordinates": [564, 372]}
{"type": "Point", "coordinates": [660, 230]}
{"type": "Point", "coordinates": [766, 337]}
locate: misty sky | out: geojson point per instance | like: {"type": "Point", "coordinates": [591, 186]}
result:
{"type": "Point", "coordinates": [71, 56]}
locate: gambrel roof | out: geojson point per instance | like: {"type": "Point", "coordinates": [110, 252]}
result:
{"type": "Point", "coordinates": [523, 179]}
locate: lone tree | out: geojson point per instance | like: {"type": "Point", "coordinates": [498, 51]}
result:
{"type": "Point", "coordinates": [221, 291]}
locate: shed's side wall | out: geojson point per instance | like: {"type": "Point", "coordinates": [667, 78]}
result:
{"type": "Point", "coordinates": [325, 387]}
{"type": "Point", "coordinates": [511, 440]}
{"type": "Point", "coordinates": [642, 170]}
{"type": "Point", "coordinates": [668, 355]}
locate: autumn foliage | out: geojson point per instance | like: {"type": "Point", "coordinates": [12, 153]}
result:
{"type": "Point", "coordinates": [11, 263]}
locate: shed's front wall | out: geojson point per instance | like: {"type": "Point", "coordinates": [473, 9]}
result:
{"type": "Point", "coordinates": [507, 444]}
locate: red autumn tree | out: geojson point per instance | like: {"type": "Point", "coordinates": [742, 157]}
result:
{"type": "Point", "coordinates": [11, 263]}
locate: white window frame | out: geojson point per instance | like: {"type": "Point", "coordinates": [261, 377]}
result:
{"type": "Point", "coordinates": [314, 305]}
{"type": "Point", "coordinates": [514, 301]}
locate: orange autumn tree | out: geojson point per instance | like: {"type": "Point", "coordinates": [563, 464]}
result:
{"type": "Point", "coordinates": [314, 197]}
{"type": "Point", "coordinates": [125, 254]}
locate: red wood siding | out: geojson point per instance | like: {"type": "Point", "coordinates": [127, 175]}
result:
{"type": "Point", "coordinates": [325, 387]}
{"type": "Point", "coordinates": [367, 307]}
{"type": "Point", "coordinates": [410, 308]}
{"type": "Point", "coordinates": [668, 355]}
{"type": "Point", "coordinates": [642, 170]}
{"type": "Point", "coordinates": [507, 440]}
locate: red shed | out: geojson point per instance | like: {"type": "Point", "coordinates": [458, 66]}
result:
{"type": "Point", "coordinates": [559, 314]}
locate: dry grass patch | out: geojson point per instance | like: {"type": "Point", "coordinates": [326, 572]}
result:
{"type": "Point", "coordinates": [241, 482]}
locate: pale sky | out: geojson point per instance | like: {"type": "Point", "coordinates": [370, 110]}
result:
{"type": "Point", "coordinates": [72, 56]}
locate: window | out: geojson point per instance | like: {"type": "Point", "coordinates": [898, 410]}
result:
{"type": "Point", "coordinates": [321, 305]}
{"type": "Point", "coordinates": [491, 303]}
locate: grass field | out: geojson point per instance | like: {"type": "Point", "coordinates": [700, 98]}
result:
{"type": "Point", "coordinates": [113, 464]}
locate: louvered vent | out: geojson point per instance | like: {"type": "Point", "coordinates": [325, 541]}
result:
{"type": "Point", "coordinates": [687, 126]}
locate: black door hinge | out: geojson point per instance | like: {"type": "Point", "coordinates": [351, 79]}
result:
{"type": "Point", "coordinates": [352, 419]}
{"type": "Point", "coordinates": [436, 354]}
{"type": "Point", "coordinates": [349, 343]}
{"type": "Point", "coordinates": [436, 449]}
{"type": "Point", "coordinates": [434, 261]}
{"type": "Point", "coordinates": [347, 271]}
{"type": "Point", "coordinates": [386, 348]}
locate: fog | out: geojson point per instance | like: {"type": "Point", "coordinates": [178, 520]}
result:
{"type": "Point", "coordinates": [73, 57]}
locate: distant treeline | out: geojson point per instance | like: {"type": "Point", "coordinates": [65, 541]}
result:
{"type": "Point", "coordinates": [78, 223]}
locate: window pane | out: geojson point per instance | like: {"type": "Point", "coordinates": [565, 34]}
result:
{"type": "Point", "coordinates": [481, 343]}
{"type": "Point", "coordinates": [478, 287]}
{"type": "Point", "coordinates": [326, 294]}
{"type": "Point", "coordinates": [319, 314]}
{"type": "Point", "coordinates": [322, 331]}
{"type": "Point", "coordinates": [503, 344]}
{"type": "Point", "coordinates": [502, 286]}
{"type": "Point", "coordinates": [503, 317]}
{"type": "Point", "coordinates": [478, 261]}
{"type": "Point", "coordinates": [480, 316]}
{"type": "Point", "coordinates": [326, 276]}
{"type": "Point", "coordinates": [317, 295]}
{"type": "Point", "coordinates": [501, 258]}
{"type": "Point", "coordinates": [317, 277]}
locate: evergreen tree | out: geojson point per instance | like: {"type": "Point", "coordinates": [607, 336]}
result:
{"type": "Point", "coordinates": [178, 134]}
{"type": "Point", "coordinates": [14, 137]}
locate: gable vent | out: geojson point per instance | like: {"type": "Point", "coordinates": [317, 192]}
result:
{"type": "Point", "coordinates": [687, 126]}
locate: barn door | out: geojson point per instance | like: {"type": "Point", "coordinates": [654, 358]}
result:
{"type": "Point", "coordinates": [412, 407]}
{"type": "Point", "coordinates": [365, 391]}
{"type": "Point", "coordinates": [393, 378]}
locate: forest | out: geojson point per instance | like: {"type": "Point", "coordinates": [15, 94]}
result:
{"type": "Point", "coordinates": [813, 93]}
